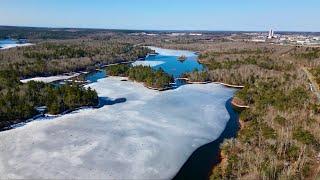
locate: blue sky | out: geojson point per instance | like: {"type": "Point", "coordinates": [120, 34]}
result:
{"type": "Point", "coordinates": [286, 15]}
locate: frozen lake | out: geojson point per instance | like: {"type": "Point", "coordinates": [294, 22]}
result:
{"type": "Point", "coordinates": [146, 135]}
{"type": "Point", "coordinates": [10, 43]}
{"type": "Point", "coordinates": [140, 134]}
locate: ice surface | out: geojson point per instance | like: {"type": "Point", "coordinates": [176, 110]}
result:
{"type": "Point", "coordinates": [149, 136]}
{"type": "Point", "coordinates": [148, 63]}
{"type": "Point", "coordinates": [171, 52]}
{"type": "Point", "coordinates": [8, 46]}
{"type": "Point", "coordinates": [50, 78]}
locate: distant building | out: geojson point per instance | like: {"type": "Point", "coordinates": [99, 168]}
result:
{"type": "Point", "coordinates": [316, 38]}
{"type": "Point", "coordinates": [258, 40]}
{"type": "Point", "coordinates": [271, 34]}
{"type": "Point", "coordinates": [177, 34]}
{"type": "Point", "coordinates": [195, 34]}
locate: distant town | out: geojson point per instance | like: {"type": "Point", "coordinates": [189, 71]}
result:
{"type": "Point", "coordinates": [271, 36]}
{"type": "Point", "coordinates": [285, 39]}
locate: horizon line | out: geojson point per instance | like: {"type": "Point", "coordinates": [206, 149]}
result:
{"type": "Point", "coordinates": [154, 30]}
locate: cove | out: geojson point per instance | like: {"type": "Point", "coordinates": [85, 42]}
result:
{"type": "Point", "coordinates": [199, 165]}
{"type": "Point", "coordinates": [138, 134]}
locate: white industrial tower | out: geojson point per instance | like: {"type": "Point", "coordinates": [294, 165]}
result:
{"type": "Point", "coordinates": [271, 34]}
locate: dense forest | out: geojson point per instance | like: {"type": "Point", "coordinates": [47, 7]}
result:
{"type": "Point", "coordinates": [151, 78]}
{"type": "Point", "coordinates": [57, 57]}
{"type": "Point", "coordinates": [35, 34]}
{"type": "Point", "coordinates": [18, 101]}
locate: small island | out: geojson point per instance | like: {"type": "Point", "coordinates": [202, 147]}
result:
{"type": "Point", "coordinates": [182, 58]}
{"type": "Point", "coordinates": [151, 78]}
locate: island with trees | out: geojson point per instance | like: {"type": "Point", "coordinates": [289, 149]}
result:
{"type": "Point", "coordinates": [151, 78]}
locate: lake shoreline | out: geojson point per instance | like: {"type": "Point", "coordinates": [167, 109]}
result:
{"type": "Point", "coordinates": [165, 89]}
{"type": "Point", "coordinates": [13, 125]}
{"type": "Point", "coordinates": [199, 166]}
{"type": "Point", "coordinates": [139, 99]}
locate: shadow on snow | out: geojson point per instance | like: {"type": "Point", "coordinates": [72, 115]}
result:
{"type": "Point", "coordinates": [103, 101]}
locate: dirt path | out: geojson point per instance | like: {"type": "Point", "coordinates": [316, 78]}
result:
{"type": "Point", "coordinates": [315, 89]}
{"type": "Point", "coordinates": [313, 83]}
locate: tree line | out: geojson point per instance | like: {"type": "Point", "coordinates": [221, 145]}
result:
{"type": "Point", "coordinates": [279, 128]}
{"type": "Point", "coordinates": [149, 76]}
{"type": "Point", "coordinates": [57, 57]}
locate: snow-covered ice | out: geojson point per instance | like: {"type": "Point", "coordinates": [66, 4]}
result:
{"type": "Point", "coordinates": [171, 52]}
{"type": "Point", "coordinates": [8, 46]}
{"type": "Point", "coordinates": [148, 136]}
{"type": "Point", "coordinates": [50, 79]}
{"type": "Point", "coordinates": [148, 63]}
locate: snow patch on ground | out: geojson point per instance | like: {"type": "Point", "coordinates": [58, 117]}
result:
{"type": "Point", "coordinates": [50, 78]}
{"type": "Point", "coordinates": [149, 136]}
{"type": "Point", "coordinates": [148, 63]}
{"type": "Point", "coordinates": [171, 52]}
